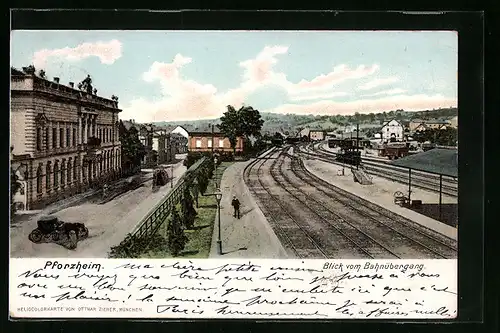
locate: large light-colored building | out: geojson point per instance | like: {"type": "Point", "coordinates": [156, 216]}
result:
{"type": "Point", "coordinates": [64, 139]}
{"type": "Point", "coordinates": [392, 130]}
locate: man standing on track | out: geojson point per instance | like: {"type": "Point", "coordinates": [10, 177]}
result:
{"type": "Point", "coordinates": [236, 205]}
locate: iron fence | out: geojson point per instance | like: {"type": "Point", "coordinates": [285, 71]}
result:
{"type": "Point", "coordinates": [155, 218]}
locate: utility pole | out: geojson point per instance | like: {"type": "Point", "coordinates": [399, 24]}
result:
{"type": "Point", "coordinates": [357, 146]}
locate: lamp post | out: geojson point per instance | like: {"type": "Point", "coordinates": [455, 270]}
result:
{"type": "Point", "coordinates": [218, 197]}
{"type": "Point", "coordinates": [215, 162]}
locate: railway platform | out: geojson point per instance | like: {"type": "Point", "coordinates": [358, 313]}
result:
{"type": "Point", "coordinates": [250, 236]}
{"type": "Point", "coordinates": [381, 193]}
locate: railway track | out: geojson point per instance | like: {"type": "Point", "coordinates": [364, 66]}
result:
{"type": "Point", "coordinates": [382, 169]}
{"type": "Point", "coordinates": [290, 232]}
{"type": "Point", "coordinates": [382, 224]}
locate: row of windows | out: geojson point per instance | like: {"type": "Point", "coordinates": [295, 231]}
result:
{"type": "Point", "coordinates": [209, 143]}
{"type": "Point", "coordinates": [63, 138]}
{"type": "Point", "coordinates": [67, 172]}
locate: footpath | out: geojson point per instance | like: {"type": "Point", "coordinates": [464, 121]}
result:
{"type": "Point", "coordinates": [251, 236]}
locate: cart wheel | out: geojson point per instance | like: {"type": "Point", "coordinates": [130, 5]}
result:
{"type": "Point", "coordinates": [35, 236]}
{"type": "Point", "coordinates": [398, 194]}
{"type": "Point", "coordinates": [54, 236]}
{"type": "Point", "coordinates": [83, 233]}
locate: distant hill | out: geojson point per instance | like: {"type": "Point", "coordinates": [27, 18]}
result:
{"type": "Point", "coordinates": [274, 122]}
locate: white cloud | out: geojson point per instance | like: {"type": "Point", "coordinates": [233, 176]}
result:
{"type": "Point", "coordinates": [189, 100]}
{"type": "Point", "coordinates": [296, 98]}
{"type": "Point", "coordinates": [107, 52]}
{"type": "Point", "coordinates": [405, 102]}
{"type": "Point", "coordinates": [377, 83]}
{"type": "Point", "coordinates": [386, 92]}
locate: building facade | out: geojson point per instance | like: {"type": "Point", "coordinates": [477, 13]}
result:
{"type": "Point", "coordinates": [317, 135]}
{"type": "Point", "coordinates": [212, 141]}
{"type": "Point", "coordinates": [392, 131]}
{"type": "Point", "coordinates": [65, 139]}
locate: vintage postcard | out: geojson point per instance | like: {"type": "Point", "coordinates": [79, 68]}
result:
{"type": "Point", "coordinates": [234, 174]}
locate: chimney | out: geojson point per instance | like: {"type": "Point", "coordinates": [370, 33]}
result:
{"type": "Point", "coordinates": [56, 79]}
{"type": "Point", "coordinates": [72, 84]}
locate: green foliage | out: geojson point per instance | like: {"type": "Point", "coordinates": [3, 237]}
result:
{"type": "Point", "coordinates": [188, 211]}
{"type": "Point", "coordinates": [176, 238]}
{"type": "Point", "coordinates": [132, 247]}
{"type": "Point", "coordinates": [245, 122]}
{"type": "Point", "coordinates": [202, 182]}
{"type": "Point", "coordinates": [133, 150]}
{"type": "Point", "coordinates": [443, 137]}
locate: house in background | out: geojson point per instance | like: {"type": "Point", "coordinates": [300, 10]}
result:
{"type": "Point", "coordinates": [179, 142]}
{"type": "Point", "coordinates": [453, 122]}
{"type": "Point", "coordinates": [317, 135]}
{"type": "Point", "coordinates": [211, 139]}
{"type": "Point", "coordinates": [392, 130]}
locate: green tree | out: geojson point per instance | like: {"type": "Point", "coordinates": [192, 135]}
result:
{"type": "Point", "coordinates": [176, 238]}
{"type": "Point", "coordinates": [245, 122]}
{"type": "Point", "coordinates": [202, 179]}
{"type": "Point", "coordinates": [188, 211]}
{"type": "Point", "coordinates": [133, 151]}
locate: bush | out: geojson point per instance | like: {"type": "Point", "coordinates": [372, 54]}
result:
{"type": "Point", "coordinates": [188, 211]}
{"type": "Point", "coordinates": [202, 182]}
{"type": "Point", "coordinates": [132, 247]}
{"type": "Point", "coordinates": [176, 238]}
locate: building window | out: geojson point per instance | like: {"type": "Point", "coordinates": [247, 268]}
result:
{"type": "Point", "coordinates": [74, 137]}
{"type": "Point", "coordinates": [38, 139]}
{"type": "Point", "coordinates": [46, 138]}
{"type": "Point", "coordinates": [56, 174]}
{"type": "Point", "coordinates": [39, 180]}
{"type": "Point", "coordinates": [48, 172]}
{"type": "Point", "coordinates": [67, 137]}
{"type": "Point", "coordinates": [221, 143]}
{"type": "Point", "coordinates": [54, 138]}
{"type": "Point", "coordinates": [68, 176]}
{"type": "Point", "coordinates": [198, 143]}
{"type": "Point", "coordinates": [100, 133]}
{"type": "Point", "coordinates": [75, 170]}
{"type": "Point", "coordinates": [63, 172]}
{"type": "Point", "coordinates": [61, 137]}
{"type": "Point", "coordinates": [209, 144]}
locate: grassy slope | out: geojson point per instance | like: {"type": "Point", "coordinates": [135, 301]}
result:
{"type": "Point", "coordinates": [200, 239]}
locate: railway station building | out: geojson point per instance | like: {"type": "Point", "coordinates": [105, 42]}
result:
{"type": "Point", "coordinates": [211, 139]}
{"type": "Point", "coordinates": [63, 140]}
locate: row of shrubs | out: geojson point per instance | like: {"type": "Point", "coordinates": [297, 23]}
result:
{"type": "Point", "coordinates": [176, 240]}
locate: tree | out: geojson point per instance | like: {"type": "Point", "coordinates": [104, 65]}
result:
{"type": "Point", "coordinates": [195, 191]}
{"type": "Point", "coordinates": [245, 122]}
{"type": "Point", "coordinates": [176, 238]}
{"type": "Point", "coordinates": [230, 126]}
{"type": "Point", "coordinates": [202, 179]}
{"type": "Point", "coordinates": [133, 151]}
{"type": "Point", "coordinates": [188, 211]}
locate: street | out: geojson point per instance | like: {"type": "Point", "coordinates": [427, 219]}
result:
{"type": "Point", "coordinates": [108, 223]}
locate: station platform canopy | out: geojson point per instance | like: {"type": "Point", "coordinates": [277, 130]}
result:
{"type": "Point", "coordinates": [437, 161]}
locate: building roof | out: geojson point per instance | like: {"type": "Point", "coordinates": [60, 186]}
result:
{"type": "Point", "coordinates": [205, 130]}
{"type": "Point", "coordinates": [438, 161]}
{"type": "Point", "coordinates": [388, 121]}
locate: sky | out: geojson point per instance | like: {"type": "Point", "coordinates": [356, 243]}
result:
{"type": "Point", "coordinates": [189, 75]}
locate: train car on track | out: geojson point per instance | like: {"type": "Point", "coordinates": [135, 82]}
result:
{"type": "Point", "coordinates": [393, 151]}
